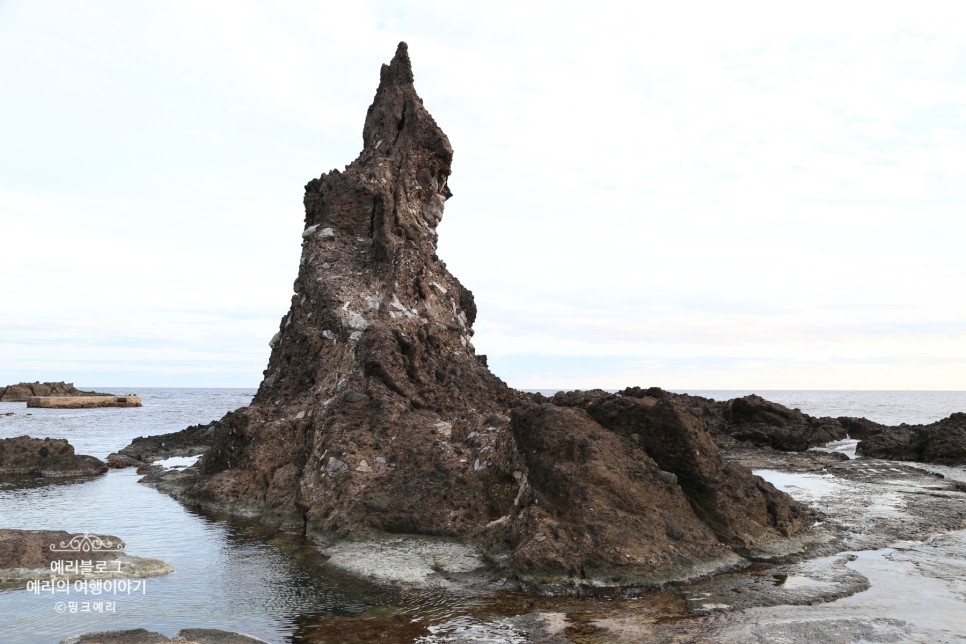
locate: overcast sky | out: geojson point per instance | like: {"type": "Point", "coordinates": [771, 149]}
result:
{"type": "Point", "coordinates": [689, 195]}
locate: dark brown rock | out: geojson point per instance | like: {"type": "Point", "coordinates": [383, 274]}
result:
{"type": "Point", "coordinates": [861, 427]}
{"type": "Point", "coordinates": [741, 510]}
{"type": "Point", "coordinates": [190, 441]}
{"type": "Point", "coordinates": [25, 390]}
{"type": "Point", "coordinates": [24, 456]}
{"type": "Point", "coordinates": [766, 424]}
{"type": "Point", "coordinates": [120, 461]}
{"type": "Point", "coordinates": [752, 420]}
{"type": "Point", "coordinates": [942, 442]}
{"type": "Point", "coordinates": [376, 416]}
{"type": "Point", "coordinates": [592, 506]}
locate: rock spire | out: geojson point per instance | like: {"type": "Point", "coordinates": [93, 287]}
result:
{"type": "Point", "coordinates": [375, 414]}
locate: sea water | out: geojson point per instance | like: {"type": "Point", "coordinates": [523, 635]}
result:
{"type": "Point", "coordinates": [238, 576]}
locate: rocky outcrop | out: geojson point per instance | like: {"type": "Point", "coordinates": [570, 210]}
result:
{"type": "Point", "coordinates": [144, 450]}
{"type": "Point", "coordinates": [24, 456]}
{"type": "Point", "coordinates": [38, 555]}
{"type": "Point", "coordinates": [942, 442]}
{"type": "Point", "coordinates": [376, 415]}
{"type": "Point", "coordinates": [25, 390]}
{"type": "Point", "coordinates": [752, 420]}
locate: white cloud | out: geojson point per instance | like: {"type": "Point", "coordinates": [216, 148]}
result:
{"type": "Point", "coordinates": [702, 194]}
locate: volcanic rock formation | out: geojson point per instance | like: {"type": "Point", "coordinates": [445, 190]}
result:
{"type": "Point", "coordinates": [375, 414]}
{"type": "Point", "coordinates": [752, 420]}
{"type": "Point", "coordinates": [942, 442]}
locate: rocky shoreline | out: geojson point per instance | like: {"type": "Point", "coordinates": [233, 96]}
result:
{"type": "Point", "coordinates": [380, 434]}
{"type": "Point", "coordinates": [376, 418]}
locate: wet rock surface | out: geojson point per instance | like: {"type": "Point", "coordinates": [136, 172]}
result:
{"type": "Point", "coordinates": [29, 555]}
{"type": "Point", "coordinates": [377, 417]}
{"type": "Point", "coordinates": [23, 457]}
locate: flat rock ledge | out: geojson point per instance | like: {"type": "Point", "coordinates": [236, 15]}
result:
{"type": "Point", "coordinates": [49, 458]}
{"type": "Point", "coordinates": [184, 636]}
{"type": "Point", "coordinates": [43, 555]}
{"type": "Point", "coordinates": [84, 402]}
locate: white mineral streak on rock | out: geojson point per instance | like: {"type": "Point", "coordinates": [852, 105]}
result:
{"type": "Point", "coordinates": [329, 335]}
{"type": "Point", "coordinates": [396, 304]}
{"type": "Point", "coordinates": [335, 466]}
{"type": "Point", "coordinates": [440, 287]}
{"type": "Point", "coordinates": [355, 335]}
{"type": "Point", "coordinates": [356, 321]}
{"type": "Point", "coordinates": [444, 428]}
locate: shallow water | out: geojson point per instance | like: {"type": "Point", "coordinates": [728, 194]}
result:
{"type": "Point", "coordinates": [232, 575]}
{"type": "Point", "coordinates": [99, 432]}
{"type": "Point", "coordinates": [238, 576]}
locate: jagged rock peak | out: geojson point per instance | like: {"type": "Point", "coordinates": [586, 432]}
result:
{"type": "Point", "coordinates": [400, 69]}
{"type": "Point", "coordinates": [373, 302]}
{"type": "Point", "coordinates": [397, 119]}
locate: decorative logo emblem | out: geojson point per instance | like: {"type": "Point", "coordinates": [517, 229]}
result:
{"type": "Point", "coordinates": [86, 542]}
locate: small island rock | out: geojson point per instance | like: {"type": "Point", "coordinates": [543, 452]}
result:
{"type": "Point", "coordinates": [24, 456]}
